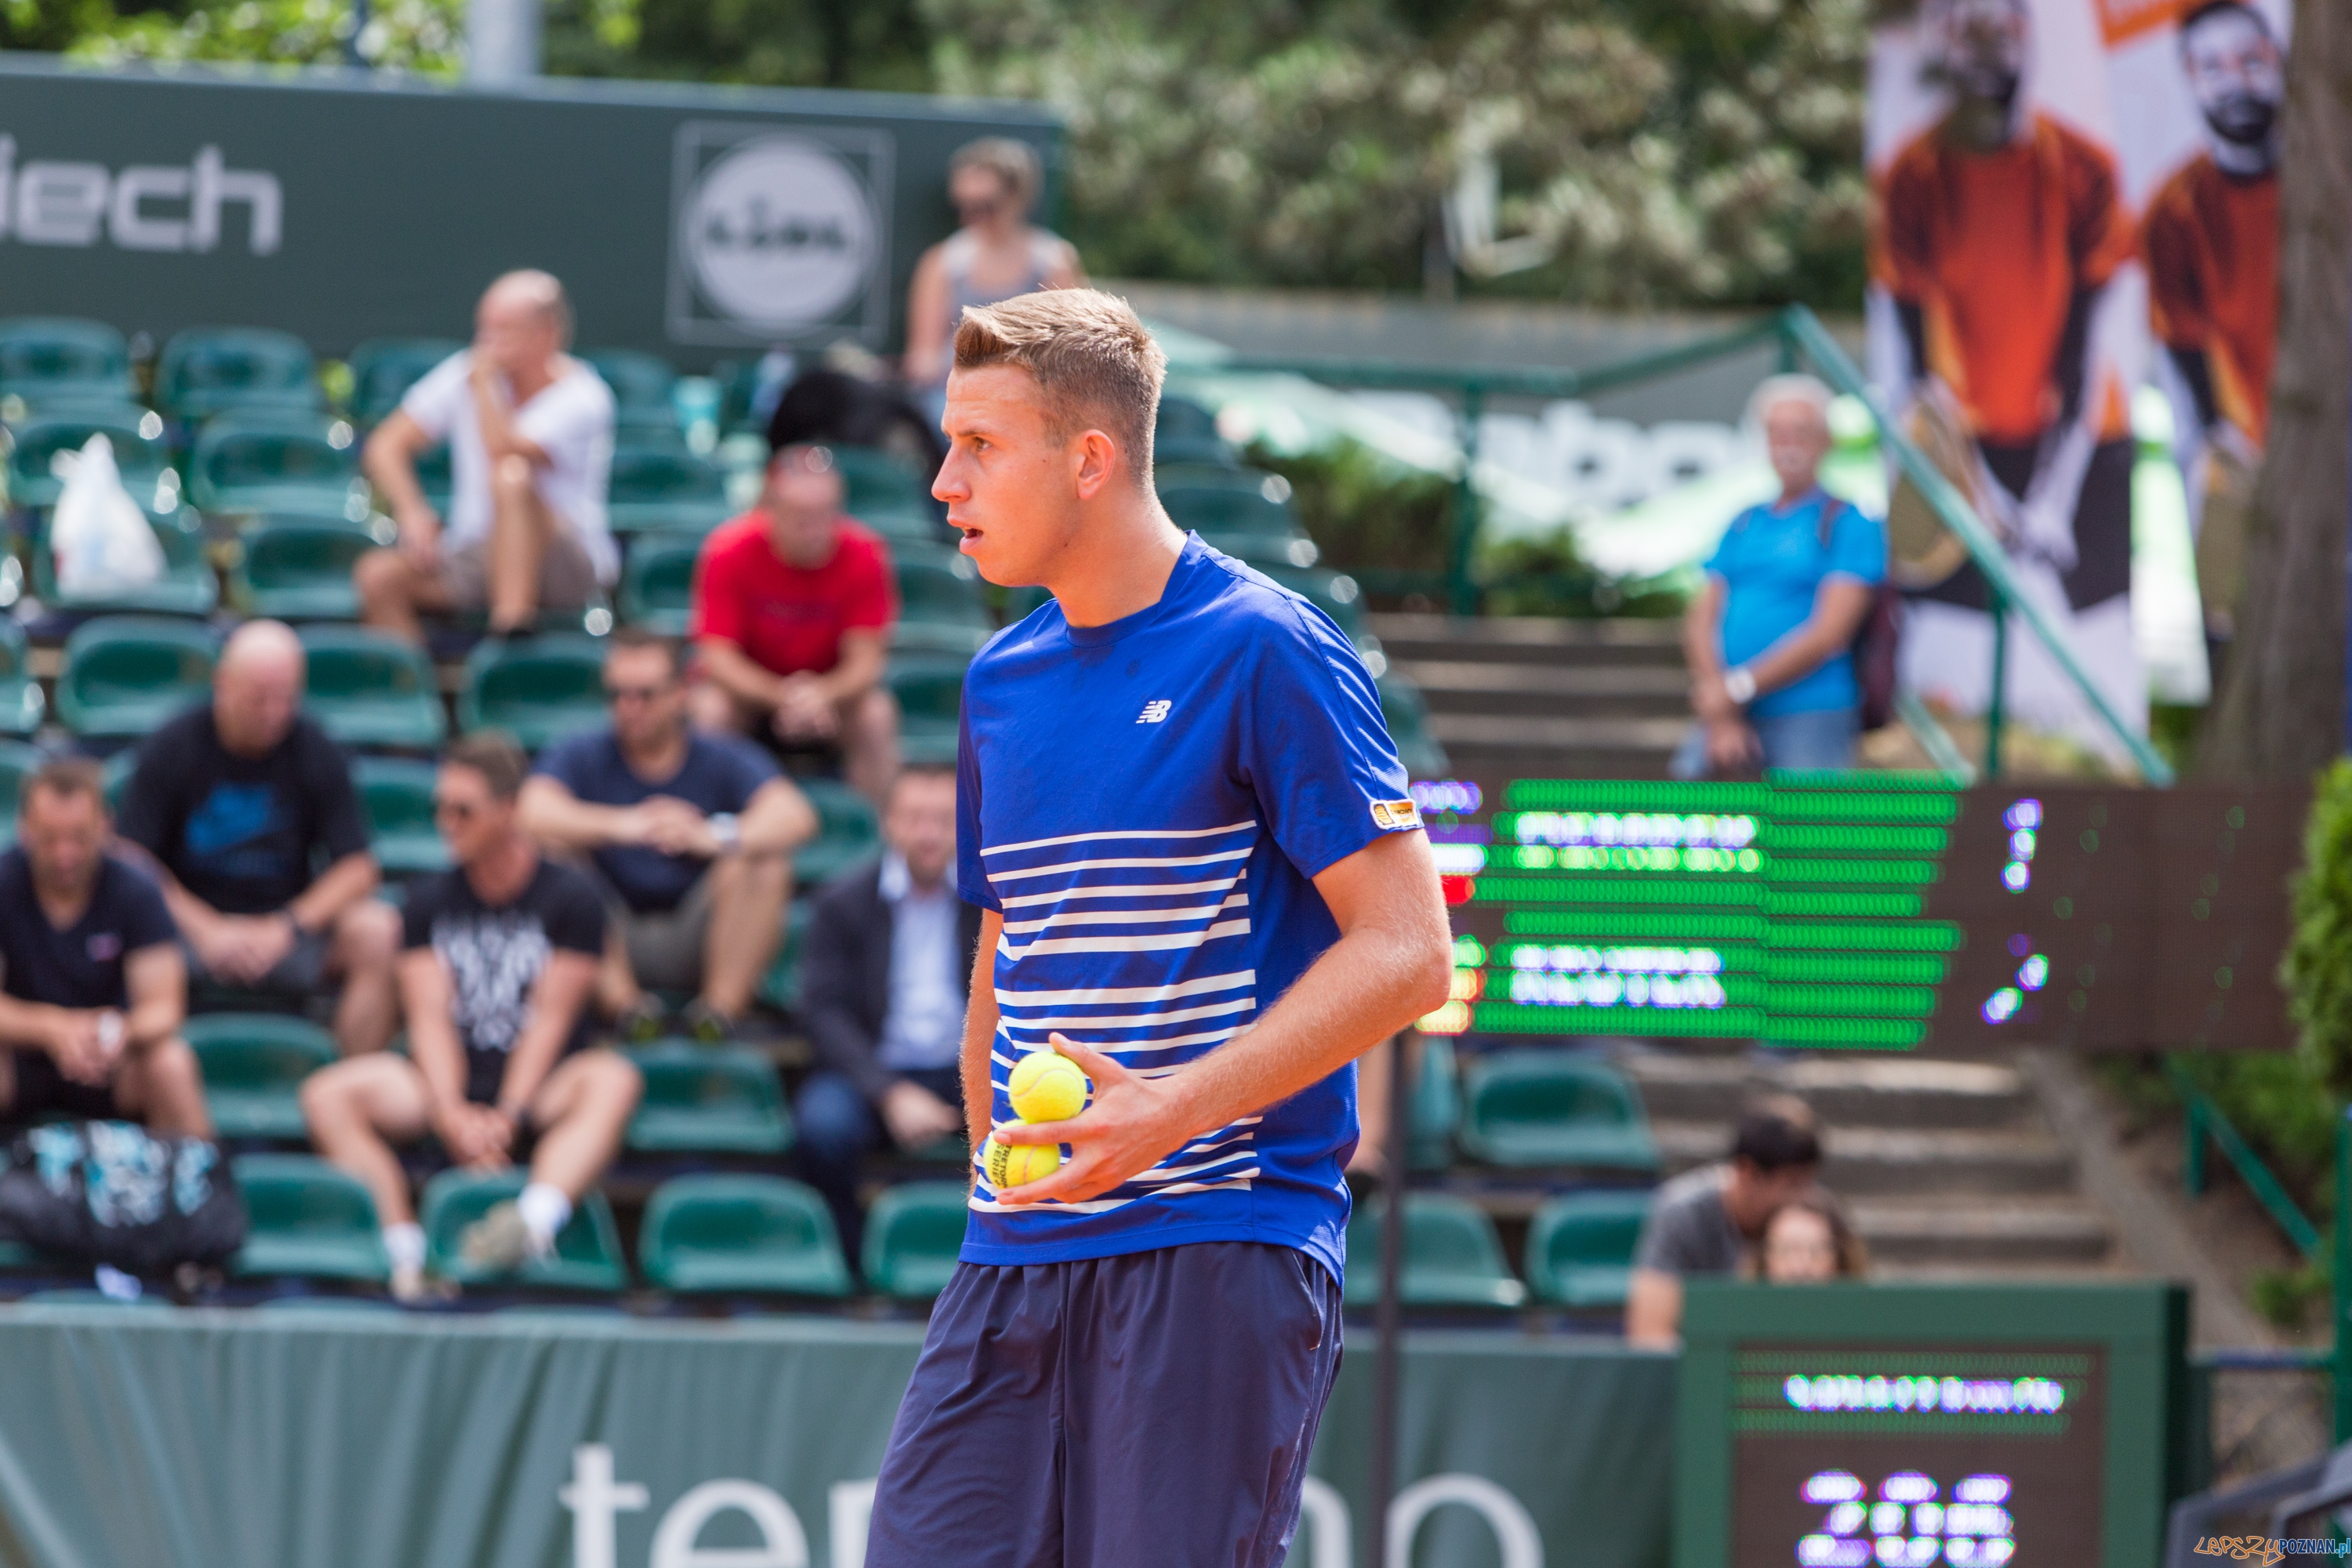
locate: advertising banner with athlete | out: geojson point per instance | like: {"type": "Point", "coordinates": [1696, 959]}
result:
{"type": "Point", "coordinates": [2198, 87]}
{"type": "Point", "coordinates": [2007, 321]}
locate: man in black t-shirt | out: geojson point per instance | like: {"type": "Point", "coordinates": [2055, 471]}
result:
{"type": "Point", "coordinates": [499, 959]}
{"type": "Point", "coordinates": [690, 836]}
{"type": "Point", "coordinates": [92, 990]}
{"type": "Point", "coordinates": [233, 803]}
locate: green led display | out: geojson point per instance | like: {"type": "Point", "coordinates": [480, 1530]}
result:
{"type": "Point", "coordinates": [1621, 924]}
{"type": "Point", "coordinates": [1925, 969]}
{"type": "Point", "coordinates": [1857, 906]}
{"type": "Point", "coordinates": [1924, 936]}
{"type": "Point", "coordinates": [1573, 889]}
{"type": "Point", "coordinates": [1847, 839]}
{"type": "Point", "coordinates": [1882, 1001]}
{"type": "Point", "coordinates": [1910, 873]}
{"type": "Point", "coordinates": [1504, 1018]}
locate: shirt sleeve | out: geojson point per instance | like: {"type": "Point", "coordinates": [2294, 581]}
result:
{"type": "Point", "coordinates": [1903, 254]}
{"type": "Point", "coordinates": [416, 912]}
{"type": "Point", "coordinates": [748, 771]}
{"type": "Point", "coordinates": [2177, 305]}
{"type": "Point", "coordinates": [148, 805]}
{"type": "Point", "coordinates": [342, 826]}
{"type": "Point", "coordinates": [1664, 1243]}
{"type": "Point", "coordinates": [717, 609]}
{"type": "Point", "coordinates": [561, 762]}
{"type": "Point", "coordinates": [146, 918]}
{"type": "Point", "coordinates": [972, 875]}
{"type": "Point", "coordinates": [437, 399]}
{"type": "Point", "coordinates": [1720, 563]}
{"type": "Point", "coordinates": [1858, 546]}
{"type": "Point", "coordinates": [874, 592]}
{"type": "Point", "coordinates": [579, 412]}
{"type": "Point", "coordinates": [2098, 233]}
{"type": "Point", "coordinates": [576, 916]}
{"type": "Point", "coordinates": [1314, 745]}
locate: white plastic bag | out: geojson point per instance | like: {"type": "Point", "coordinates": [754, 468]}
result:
{"type": "Point", "coordinates": [99, 538]}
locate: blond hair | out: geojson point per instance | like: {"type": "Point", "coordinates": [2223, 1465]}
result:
{"type": "Point", "coordinates": [1013, 163]}
{"type": "Point", "coordinates": [1093, 360]}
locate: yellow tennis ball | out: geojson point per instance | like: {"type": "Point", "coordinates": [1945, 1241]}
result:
{"type": "Point", "coordinates": [1046, 1086]}
{"type": "Point", "coordinates": [1018, 1165]}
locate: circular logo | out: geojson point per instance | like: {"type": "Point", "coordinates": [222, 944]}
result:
{"type": "Point", "coordinates": [780, 233]}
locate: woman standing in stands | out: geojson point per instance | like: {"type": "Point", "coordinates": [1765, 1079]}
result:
{"type": "Point", "coordinates": [995, 255]}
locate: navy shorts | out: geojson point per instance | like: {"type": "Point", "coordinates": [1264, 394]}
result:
{"type": "Point", "coordinates": [1156, 1408]}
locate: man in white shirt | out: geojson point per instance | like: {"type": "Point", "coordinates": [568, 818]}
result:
{"type": "Point", "coordinates": [530, 430]}
{"type": "Point", "coordinates": [884, 980]}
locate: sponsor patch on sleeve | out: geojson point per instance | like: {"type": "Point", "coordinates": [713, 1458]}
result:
{"type": "Point", "coordinates": [1389, 814]}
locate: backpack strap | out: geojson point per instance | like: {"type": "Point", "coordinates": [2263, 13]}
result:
{"type": "Point", "coordinates": [1833, 509]}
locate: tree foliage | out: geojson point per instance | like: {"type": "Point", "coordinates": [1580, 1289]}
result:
{"type": "Point", "coordinates": [1666, 152]}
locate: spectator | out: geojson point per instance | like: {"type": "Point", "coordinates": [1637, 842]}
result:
{"type": "Point", "coordinates": [1770, 634]}
{"type": "Point", "coordinates": [232, 804]}
{"type": "Point", "coordinates": [793, 607]}
{"type": "Point", "coordinates": [93, 992]}
{"type": "Point", "coordinates": [499, 961]}
{"type": "Point", "coordinates": [689, 836]}
{"type": "Point", "coordinates": [1807, 1241]}
{"type": "Point", "coordinates": [531, 445]}
{"type": "Point", "coordinates": [1703, 1221]}
{"type": "Point", "coordinates": [883, 987]}
{"type": "Point", "coordinates": [997, 253]}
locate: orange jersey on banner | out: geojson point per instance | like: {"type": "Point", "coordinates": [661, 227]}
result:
{"type": "Point", "coordinates": [2212, 244]}
{"type": "Point", "coordinates": [1992, 247]}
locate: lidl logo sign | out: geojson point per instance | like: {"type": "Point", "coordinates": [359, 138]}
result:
{"type": "Point", "coordinates": [780, 237]}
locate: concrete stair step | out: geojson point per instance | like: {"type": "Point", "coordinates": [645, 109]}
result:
{"type": "Point", "coordinates": [1876, 1162]}
{"type": "Point", "coordinates": [1518, 732]}
{"type": "Point", "coordinates": [1454, 686]}
{"type": "Point", "coordinates": [1530, 640]}
{"type": "Point", "coordinates": [1965, 1233]}
{"type": "Point", "coordinates": [1844, 1091]}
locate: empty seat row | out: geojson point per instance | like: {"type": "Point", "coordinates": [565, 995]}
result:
{"type": "Point", "coordinates": [1579, 1254]}
{"type": "Point", "coordinates": [1529, 1110]}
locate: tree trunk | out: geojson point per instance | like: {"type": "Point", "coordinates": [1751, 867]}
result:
{"type": "Point", "coordinates": [2280, 713]}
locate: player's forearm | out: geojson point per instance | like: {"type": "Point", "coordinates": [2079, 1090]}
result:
{"type": "Point", "coordinates": [1367, 985]}
{"type": "Point", "coordinates": [979, 1031]}
{"type": "Point", "coordinates": [391, 465]}
{"type": "Point", "coordinates": [561, 820]}
{"type": "Point", "coordinates": [30, 1024]}
{"type": "Point", "coordinates": [777, 821]}
{"type": "Point", "coordinates": [737, 676]}
{"type": "Point", "coordinates": [1828, 632]}
{"type": "Point", "coordinates": [859, 670]}
{"type": "Point", "coordinates": [340, 886]}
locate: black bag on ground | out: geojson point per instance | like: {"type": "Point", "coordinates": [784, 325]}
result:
{"type": "Point", "coordinates": [112, 1193]}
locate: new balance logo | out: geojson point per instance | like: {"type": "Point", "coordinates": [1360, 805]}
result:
{"type": "Point", "coordinates": [1154, 712]}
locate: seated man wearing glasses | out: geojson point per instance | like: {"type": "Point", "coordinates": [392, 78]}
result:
{"type": "Point", "coordinates": [688, 836]}
{"type": "Point", "coordinates": [793, 608]}
{"type": "Point", "coordinates": [499, 958]}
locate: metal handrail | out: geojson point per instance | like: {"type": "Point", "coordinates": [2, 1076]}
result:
{"type": "Point", "coordinates": [2205, 1123]}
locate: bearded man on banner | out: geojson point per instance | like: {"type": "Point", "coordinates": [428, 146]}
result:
{"type": "Point", "coordinates": [2000, 230]}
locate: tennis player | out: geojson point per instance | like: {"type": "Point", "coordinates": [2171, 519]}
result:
{"type": "Point", "coordinates": [1201, 880]}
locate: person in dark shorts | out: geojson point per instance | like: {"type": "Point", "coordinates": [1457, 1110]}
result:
{"type": "Point", "coordinates": [688, 837]}
{"type": "Point", "coordinates": [233, 803]}
{"type": "Point", "coordinates": [1704, 1221]}
{"type": "Point", "coordinates": [499, 961]}
{"type": "Point", "coordinates": [93, 992]}
{"type": "Point", "coordinates": [1201, 880]}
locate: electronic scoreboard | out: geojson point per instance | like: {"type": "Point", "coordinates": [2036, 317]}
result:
{"type": "Point", "coordinates": [1928, 1427]}
{"type": "Point", "coordinates": [1872, 911]}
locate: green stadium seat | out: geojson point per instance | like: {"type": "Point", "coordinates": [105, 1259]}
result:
{"type": "Point", "coordinates": [659, 484]}
{"type": "Point", "coordinates": [281, 460]}
{"type": "Point", "coordinates": [707, 1099]}
{"type": "Point", "coordinates": [1452, 1257]}
{"type": "Point", "coordinates": [1267, 552]}
{"type": "Point", "coordinates": [383, 369]}
{"type": "Point", "coordinates": [941, 609]}
{"type": "Point", "coordinates": [535, 690]}
{"type": "Point", "coordinates": [396, 798]}
{"type": "Point", "coordinates": [17, 1259]}
{"type": "Point", "coordinates": [1580, 1249]}
{"type": "Point", "coordinates": [115, 777]}
{"type": "Point", "coordinates": [1228, 509]}
{"type": "Point", "coordinates": [47, 357]}
{"type": "Point", "coordinates": [740, 1236]}
{"type": "Point", "coordinates": [253, 1065]}
{"type": "Point", "coordinates": [18, 762]}
{"type": "Point", "coordinates": [333, 1306]}
{"type": "Point", "coordinates": [888, 496]}
{"type": "Point", "coordinates": [782, 987]}
{"type": "Point", "coordinates": [1540, 1108]}
{"type": "Point", "coordinates": [1436, 1111]}
{"type": "Point", "coordinates": [187, 587]}
{"type": "Point", "coordinates": [299, 568]}
{"type": "Point", "coordinates": [209, 371]}
{"type": "Point", "coordinates": [136, 435]}
{"type": "Point", "coordinates": [1408, 721]}
{"type": "Point", "coordinates": [1186, 433]}
{"type": "Point", "coordinates": [435, 478]}
{"type": "Point", "coordinates": [124, 674]}
{"type": "Point", "coordinates": [929, 690]}
{"type": "Point", "coordinates": [641, 385]}
{"type": "Point", "coordinates": [658, 583]}
{"type": "Point", "coordinates": [587, 1251]}
{"type": "Point", "coordinates": [913, 1234]}
{"type": "Point", "coordinates": [22, 706]}
{"type": "Point", "coordinates": [847, 831]}
{"type": "Point", "coordinates": [370, 688]}
{"type": "Point", "coordinates": [307, 1220]}
{"type": "Point", "coordinates": [1333, 593]}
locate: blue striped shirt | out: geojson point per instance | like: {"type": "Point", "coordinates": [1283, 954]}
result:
{"type": "Point", "coordinates": [1145, 804]}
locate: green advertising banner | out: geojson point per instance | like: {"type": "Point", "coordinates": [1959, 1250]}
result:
{"type": "Point", "coordinates": [137, 1437]}
{"type": "Point", "coordinates": [689, 221]}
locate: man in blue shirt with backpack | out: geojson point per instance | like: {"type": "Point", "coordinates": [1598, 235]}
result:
{"type": "Point", "coordinates": [1769, 635]}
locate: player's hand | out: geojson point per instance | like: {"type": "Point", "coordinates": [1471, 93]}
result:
{"type": "Point", "coordinates": [76, 1046]}
{"type": "Point", "coordinates": [676, 827]}
{"type": "Point", "coordinates": [1732, 745]}
{"type": "Point", "coordinates": [420, 535]}
{"type": "Point", "coordinates": [1132, 1123]}
{"type": "Point", "coordinates": [805, 712]}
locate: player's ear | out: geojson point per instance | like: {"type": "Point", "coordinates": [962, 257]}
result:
{"type": "Point", "coordinates": [1096, 456]}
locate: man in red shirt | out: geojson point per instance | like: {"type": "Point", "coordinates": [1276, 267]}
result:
{"type": "Point", "coordinates": [793, 608]}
